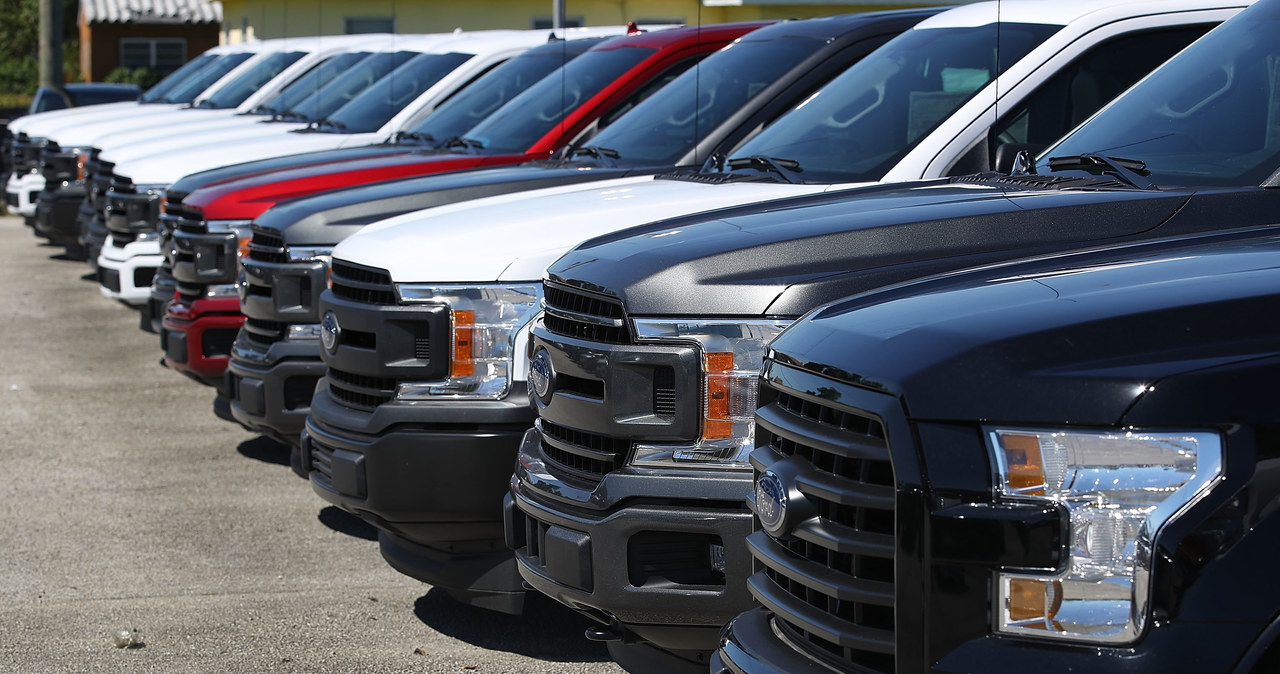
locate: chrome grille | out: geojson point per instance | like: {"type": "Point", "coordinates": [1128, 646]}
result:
{"type": "Point", "coordinates": [362, 284]}
{"type": "Point", "coordinates": [575, 313]}
{"type": "Point", "coordinates": [830, 580]}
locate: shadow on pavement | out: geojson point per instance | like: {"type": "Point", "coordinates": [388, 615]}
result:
{"type": "Point", "coordinates": [266, 450]}
{"type": "Point", "coordinates": [547, 630]}
{"type": "Point", "coordinates": [344, 522]}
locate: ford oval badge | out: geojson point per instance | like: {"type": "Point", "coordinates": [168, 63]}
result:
{"type": "Point", "coordinates": [330, 333]}
{"type": "Point", "coordinates": [540, 373]}
{"type": "Point", "coordinates": [771, 502]}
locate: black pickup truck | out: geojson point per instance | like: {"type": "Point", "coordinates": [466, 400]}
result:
{"type": "Point", "coordinates": [628, 498]}
{"type": "Point", "coordinates": [1068, 461]}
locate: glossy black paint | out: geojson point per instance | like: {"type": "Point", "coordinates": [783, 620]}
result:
{"type": "Point", "coordinates": [1203, 306]}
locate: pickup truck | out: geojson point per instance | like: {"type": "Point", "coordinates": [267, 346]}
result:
{"type": "Point", "coordinates": [1064, 461]}
{"type": "Point", "coordinates": [275, 361]}
{"type": "Point", "coordinates": [644, 365]}
{"type": "Point", "coordinates": [347, 444]}
{"type": "Point", "coordinates": [201, 74]}
{"type": "Point", "coordinates": [607, 79]}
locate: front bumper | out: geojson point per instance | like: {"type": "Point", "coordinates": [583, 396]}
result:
{"type": "Point", "coordinates": [163, 287]}
{"type": "Point", "coordinates": [657, 554]}
{"type": "Point", "coordinates": [430, 471]}
{"type": "Point", "coordinates": [126, 273]}
{"type": "Point", "coordinates": [22, 192]}
{"type": "Point", "coordinates": [56, 214]}
{"type": "Point", "coordinates": [197, 337]}
{"type": "Point", "coordinates": [270, 391]}
{"type": "Point", "coordinates": [481, 574]}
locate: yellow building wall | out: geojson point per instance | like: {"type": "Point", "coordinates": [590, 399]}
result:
{"type": "Point", "coordinates": [264, 19]}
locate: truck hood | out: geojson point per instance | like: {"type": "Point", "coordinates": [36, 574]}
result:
{"type": "Point", "coordinates": [1070, 339]}
{"type": "Point", "coordinates": [199, 141]}
{"type": "Point", "coordinates": [327, 218]}
{"type": "Point", "coordinates": [250, 196]}
{"type": "Point", "coordinates": [175, 122]}
{"type": "Point", "coordinates": [525, 231]}
{"type": "Point", "coordinates": [790, 256]}
{"type": "Point", "coordinates": [167, 167]}
{"type": "Point", "coordinates": [195, 181]}
{"type": "Point", "coordinates": [195, 121]}
{"type": "Point", "coordinates": [48, 124]}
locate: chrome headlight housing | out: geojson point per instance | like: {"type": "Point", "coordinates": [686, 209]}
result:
{"type": "Point", "coordinates": [732, 354]}
{"type": "Point", "coordinates": [310, 254]}
{"type": "Point", "coordinates": [488, 326]}
{"type": "Point", "coordinates": [1119, 488]}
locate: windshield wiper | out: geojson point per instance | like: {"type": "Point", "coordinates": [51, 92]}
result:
{"type": "Point", "coordinates": [321, 123]}
{"type": "Point", "coordinates": [782, 167]}
{"type": "Point", "coordinates": [1130, 171]}
{"type": "Point", "coordinates": [413, 135]}
{"type": "Point", "coordinates": [289, 115]}
{"type": "Point", "coordinates": [463, 143]}
{"type": "Point", "coordinates": [265, 109]}
{"type": "Point", "coordinates": [595, 152]}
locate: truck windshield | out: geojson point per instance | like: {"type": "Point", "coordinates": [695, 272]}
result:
{"type": "Point", "coordinates": [346, 87]}
{"type": "Point", "coordinates": [235, 91]}
{"type": "Point", "coordinates": [309, 83]}
{"type": "Point", "coordinates": [665, 126]}
{"type": "Point", "coordinates": [1210, 116]}
{"type": "Point", "coordinates": [482, 97]}
{"type": "Point", "coordinates": [535, 112]}
{"type": "Point", "coordinates": [863, 122]}
{"type": "Point", "coordinates": [157, 92]}
{"type": "Point", "coordinates": [190, 87]}
{"type": "Point", "coordinates": [376, 105]}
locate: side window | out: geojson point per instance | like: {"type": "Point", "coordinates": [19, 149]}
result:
{"type": "Point", "coordinates": [1082, 88]}
{"type": "Point", "coordinates": [645, 91]}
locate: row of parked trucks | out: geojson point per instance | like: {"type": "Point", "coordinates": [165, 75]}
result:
{"type": "Point", "coordinates": [917, 340]}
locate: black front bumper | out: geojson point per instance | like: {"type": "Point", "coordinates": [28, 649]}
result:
{"type": "Point", "coordinates": [271, 390]}
{"type": "Point", "coordinates": [56, 213]}
{"type": "Point", "coordinates": [656, 554]}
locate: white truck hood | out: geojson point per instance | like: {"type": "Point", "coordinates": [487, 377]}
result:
{"type": "Point", "coordinates": [514, 237]}
{"type": "Point", "coordinates": [92, 116]}
{"type": "Point", "coordinates": [184, 130]}
{"type": "Point", "coordinates": [170, 165]}
{"type": "Point", "coordinates": [151, 126]}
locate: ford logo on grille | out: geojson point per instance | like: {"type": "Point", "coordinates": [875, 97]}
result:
{"type": "Point", "coordinates": [771, 502]}
{"type": "Point", "coordinates": [330, 333]}
{"type": "Point", "coordinates": [540, 373]}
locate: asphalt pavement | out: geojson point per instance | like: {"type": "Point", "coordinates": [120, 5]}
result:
{"type": "Point", "coordinates": [127, 505]}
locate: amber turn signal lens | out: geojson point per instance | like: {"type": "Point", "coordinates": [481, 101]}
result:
{"type": "Point", "coordinates": [463, 364]}
{"type": "Point", "coordinates": [1025, 462]}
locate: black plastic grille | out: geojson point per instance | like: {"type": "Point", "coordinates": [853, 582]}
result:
{"type": "Point", "coordinates": [575, 313]}
{"type": "Point", "coordinates": [298, 392]}
{"type": "Point", "coordinates": [579, 454]}
{"type": "Point", "coordinates": [837, 572]}
{"type": "Point", "coordinates": [664, 392]}
{"type": "Point", "coordinates": [321, 463]}
{"type": "Point", "coordinates": [360, 391]}
{"type": "Point", "coordinates": [670, 559]}
{"type": "Point", "coordinates": [217, 343]}
{"type": "Point", "coordinates": [262, 331]}
{"type": "Point", "coordinates": [362, 284]}
{"type": "Point", "coordinates": [267, 246]}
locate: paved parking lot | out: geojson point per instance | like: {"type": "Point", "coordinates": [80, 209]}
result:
{"type": "Point", "coordinates": [126, 504]}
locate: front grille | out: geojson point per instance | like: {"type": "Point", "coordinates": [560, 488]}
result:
{"type": "Point", "coordinates": [321, 463]}
{"type": "Point", "coordinates": [579, 454]}
{"type": "Point", "coordinates": [298, 392]}
{"type": "Point", "coordinates": [217, 343]}
{"type": "Point", "coordinates": [836, 570]}
{"type": "Point", "coordinates": [575, 313]}
{"type": "Point", "coordinates": [267, 246]}
{"type": "Point", "coordinates": [359, 391]}
{"type": "Point", "coordinates": [264, 332]}
{"type": "Point", "coordinates": [362, 284]}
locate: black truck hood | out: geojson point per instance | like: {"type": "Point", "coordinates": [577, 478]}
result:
{"type": "Point", "coordinates": [327, 218]}
{"type": "Point", "coordinates": [783, 258]}
{"type": "Point", "coordinates": [1088, 338]}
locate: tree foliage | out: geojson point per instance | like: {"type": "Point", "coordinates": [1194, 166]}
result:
{"type": "Point", "coordinates": [20, 44]}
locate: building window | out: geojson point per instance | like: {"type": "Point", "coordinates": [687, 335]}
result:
{"type": "Point", "coordinates": [544, 22]}
{"type": "Point", "coordinates": [352, 25]}
{"type": "Point", "coordinates": [161, 55]}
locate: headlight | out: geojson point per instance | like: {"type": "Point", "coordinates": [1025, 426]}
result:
{"type": "Point", "coordinates": [732, 354]}
{"type": "Point", "coordinates": [486, 324]}
{"type": "Point", "coordinates": [1119, 490]}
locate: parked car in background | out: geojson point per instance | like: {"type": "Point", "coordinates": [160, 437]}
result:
{"type": "Point", "coordinates": [646, 360]}
{"type": "Point", "coordinates": [79, 94]}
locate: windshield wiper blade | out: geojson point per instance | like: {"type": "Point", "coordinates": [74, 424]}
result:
{"type": "Point", "coordinates": [321, 123]}
{"type": "Point", "coordinates": [782, 167]}
{"type": "Point", "coordinates": [1130, 171]}
{"type": "Point", "coordinates": [463, 143]}
{"type": "Point", "coordinates": [596, 152]}
{"type": "Point", "coordinates": [413, 135]}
